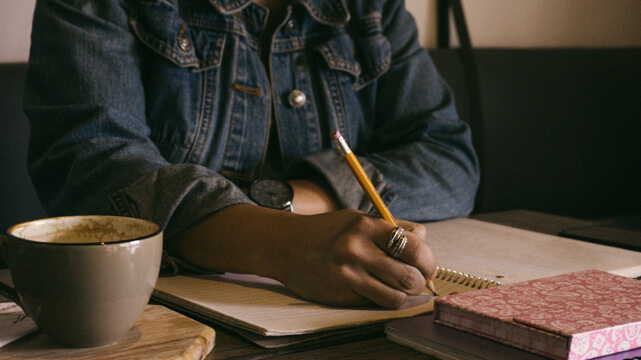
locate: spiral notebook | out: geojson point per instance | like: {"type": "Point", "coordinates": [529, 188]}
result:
{"type": "Point", "coordinates": [484, 255]}
{"type": "Point", "coordinates": [265, 312]}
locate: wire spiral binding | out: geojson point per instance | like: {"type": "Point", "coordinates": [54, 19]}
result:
{"type": "Point", "coordinates": [464, 279]}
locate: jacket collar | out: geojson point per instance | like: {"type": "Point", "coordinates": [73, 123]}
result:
{"type": "Point", "coordinates": [329, 12]}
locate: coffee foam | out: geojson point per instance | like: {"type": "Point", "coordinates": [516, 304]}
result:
{"type": "Point", "coordinates": [84, 229]}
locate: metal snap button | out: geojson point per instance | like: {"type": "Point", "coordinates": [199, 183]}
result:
{"type": "Point", "coordinates": [184, 44]}
{"type": "Point", "coordinates": [289, 26]}
{"type": "Point", "coordinates": [183, 41]}
{"type": "Point", "coordinates": [297, 99]}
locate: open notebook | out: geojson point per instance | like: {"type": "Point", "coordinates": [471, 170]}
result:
{"type": "Point", "coordinates": [483, 255]}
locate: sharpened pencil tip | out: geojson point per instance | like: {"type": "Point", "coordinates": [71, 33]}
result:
{"type": "Point", "coordinates": [430, 285]}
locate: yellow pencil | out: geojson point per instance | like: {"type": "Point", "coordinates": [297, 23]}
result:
{"type": "Point", "coordinates": [366, 183]}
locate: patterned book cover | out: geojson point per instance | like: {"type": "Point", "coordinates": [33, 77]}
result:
{"type": "Point", "coordinates": [581, 315]}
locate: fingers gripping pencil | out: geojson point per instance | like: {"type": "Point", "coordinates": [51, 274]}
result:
{"type": "Point", "coordinates": [366, 183]}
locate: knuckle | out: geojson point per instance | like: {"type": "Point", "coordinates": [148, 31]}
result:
{"type": "Point", "coordinates": [342, 273]}
{"type": "Point", "coordinates": [361, 222]}
{"type": "Point", "coordinates": [419, 254]}
{"type": "Point", "coordinates": [412, 279]}
{"type": "Point", "coordinates": [351, 252]}
{"type": "Point", "coordinates": [414, 252]}
{"type": "Point", "coordinates": [420, 231]}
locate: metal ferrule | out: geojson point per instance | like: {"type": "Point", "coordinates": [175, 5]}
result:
{"type": "Point", "coordinates": [342, 146]}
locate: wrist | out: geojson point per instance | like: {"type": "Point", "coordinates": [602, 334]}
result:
{"type": "Point", "coordinates": [313, 196]}
{"type": "Point", "coordinates": [240, 238]}
{"type": "Point", "coordinates": [272, 193]}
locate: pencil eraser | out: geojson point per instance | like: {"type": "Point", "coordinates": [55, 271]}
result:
{"type": "Point", "coordinates": [335, 134]}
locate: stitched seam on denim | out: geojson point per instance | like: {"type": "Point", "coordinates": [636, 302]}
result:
{"type": "Point", "coordinates": [339, 64]}
{"type": "Point", "coordinates": [202, 21]}
{"type": "Point", "coordinates": [231, 7]}
{"type": "Point", "coordinates": [333, 85]}
{"type": "Point", "coordinates": [378, 71]}
{"type": "Point", "coordinates": [341, 15]}
{"type": "Point", "coordinates": [160, 46]}
{"type": "Point", "coordinates": [165, 50]}
{"type": "Point", "coordinates": [295, 43]}
{"type": "Point", "coordinates": [312, 104]}
{"type": "Point", "coordinates": [370, 20]}
{"type": "Point", "coordinates": [193, 61]}
{"type": "Point", "coordinates": [215, 55]}
{"type": "Point", "coordinates": [229, 130]}
{"type": "Point", "coordinates": [222, 26]}
{"type": "Point", "coordinates": [121, 205]}
{"type": "Point", "coordinates": [203, 105]}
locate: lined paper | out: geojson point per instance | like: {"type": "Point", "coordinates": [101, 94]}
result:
{"type": "Point", "coordinates": [265, 306]}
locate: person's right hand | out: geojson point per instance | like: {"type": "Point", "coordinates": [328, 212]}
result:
{"type": "Point", "coordinates": [341, 258]}
{"type": "Point", "coordinates": [337, 258]}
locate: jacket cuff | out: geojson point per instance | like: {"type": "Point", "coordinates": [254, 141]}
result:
{"type": "Point", "coordinates": [177, 196]}
{"type": "Point", "coordinates": [330, 164]}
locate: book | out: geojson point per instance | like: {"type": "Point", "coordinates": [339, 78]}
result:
{"type": "Point", "coordinates": [422, 334]}
{"type": "Point", "coordinates": [580, 315]}
{"type": "Point", "coordinates": [483, 255]}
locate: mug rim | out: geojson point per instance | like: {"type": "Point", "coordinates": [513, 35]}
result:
{"type": "Point", "coordinates": [44, 243]}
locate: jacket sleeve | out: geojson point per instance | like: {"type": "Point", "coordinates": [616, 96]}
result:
{"type": "Point", "coordinates": [90, 151]}
{"type": "Point", "coordinates": [419, 155]}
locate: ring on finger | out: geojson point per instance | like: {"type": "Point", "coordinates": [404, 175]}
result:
{"type": "Point", "coordinates": [394, 237]}
{"type": "Point", "coordinates": [398, 247]}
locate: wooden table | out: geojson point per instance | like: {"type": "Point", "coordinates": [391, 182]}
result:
{"type": "Point", "coordinates": [375, 345]}
{"type": "Point", "coordinates": [230, 346]}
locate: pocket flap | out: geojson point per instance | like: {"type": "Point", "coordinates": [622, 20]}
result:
{"type": "Point", "coordinates": [159, 25]}
{"type": "Point", "coordinates": [339, 55]}
{"type": "Point", "coordinates": [365, 54]}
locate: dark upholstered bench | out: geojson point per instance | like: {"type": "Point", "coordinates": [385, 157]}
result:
{"type": "Point", "coordinates": [561, 128]}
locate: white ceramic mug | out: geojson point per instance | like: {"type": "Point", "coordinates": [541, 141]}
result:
{"type": "Point", "coordinates": [84, 280]}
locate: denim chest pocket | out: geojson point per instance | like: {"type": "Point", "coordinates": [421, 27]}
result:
{"type": "Point", "coordinates": [361, 51]}
{"type": "Point", "coordinates": [182, 58]}
{"type": "Point", "coordinates": [159, 25]}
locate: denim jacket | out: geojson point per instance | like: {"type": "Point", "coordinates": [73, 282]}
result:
{"type": "Point", "coordinates": [160, 109]}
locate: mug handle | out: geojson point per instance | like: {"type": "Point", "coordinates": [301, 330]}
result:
{"type": "Point", "coordinates": [3, 240]}
{"type": "Point", "coordinates": [10, 293]}
{"type": "Point", "coordinates": [6, 290]}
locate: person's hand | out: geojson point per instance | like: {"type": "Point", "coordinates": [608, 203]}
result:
{"type": "Point", "coordinates": [337, 258]}
{"type": "Point", "coordinates": [341, 258]}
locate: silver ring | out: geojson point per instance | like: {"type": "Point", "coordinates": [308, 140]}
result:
{"type": "Point", "coordinates": [398, 247]}
{"type": "Point", "coordinates": [394, 236]}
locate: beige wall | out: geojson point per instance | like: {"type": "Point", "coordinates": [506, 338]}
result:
{"type": "Point", "coordinates": [15, 29]}
{"type": "Point", "coordinates": [492, 23]}
{"type": "Point", "coordinates": [553, 23]}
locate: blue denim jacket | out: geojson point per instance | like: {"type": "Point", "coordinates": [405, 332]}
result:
{"type": "Point", "coordinates": [159, 109]}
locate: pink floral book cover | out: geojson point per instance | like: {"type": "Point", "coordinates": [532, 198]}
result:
{"type": "Point", "coordinates": [581, 315]}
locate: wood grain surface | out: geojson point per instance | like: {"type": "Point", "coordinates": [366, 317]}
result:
{"type": "Point", "coordinates": [159, 333]}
